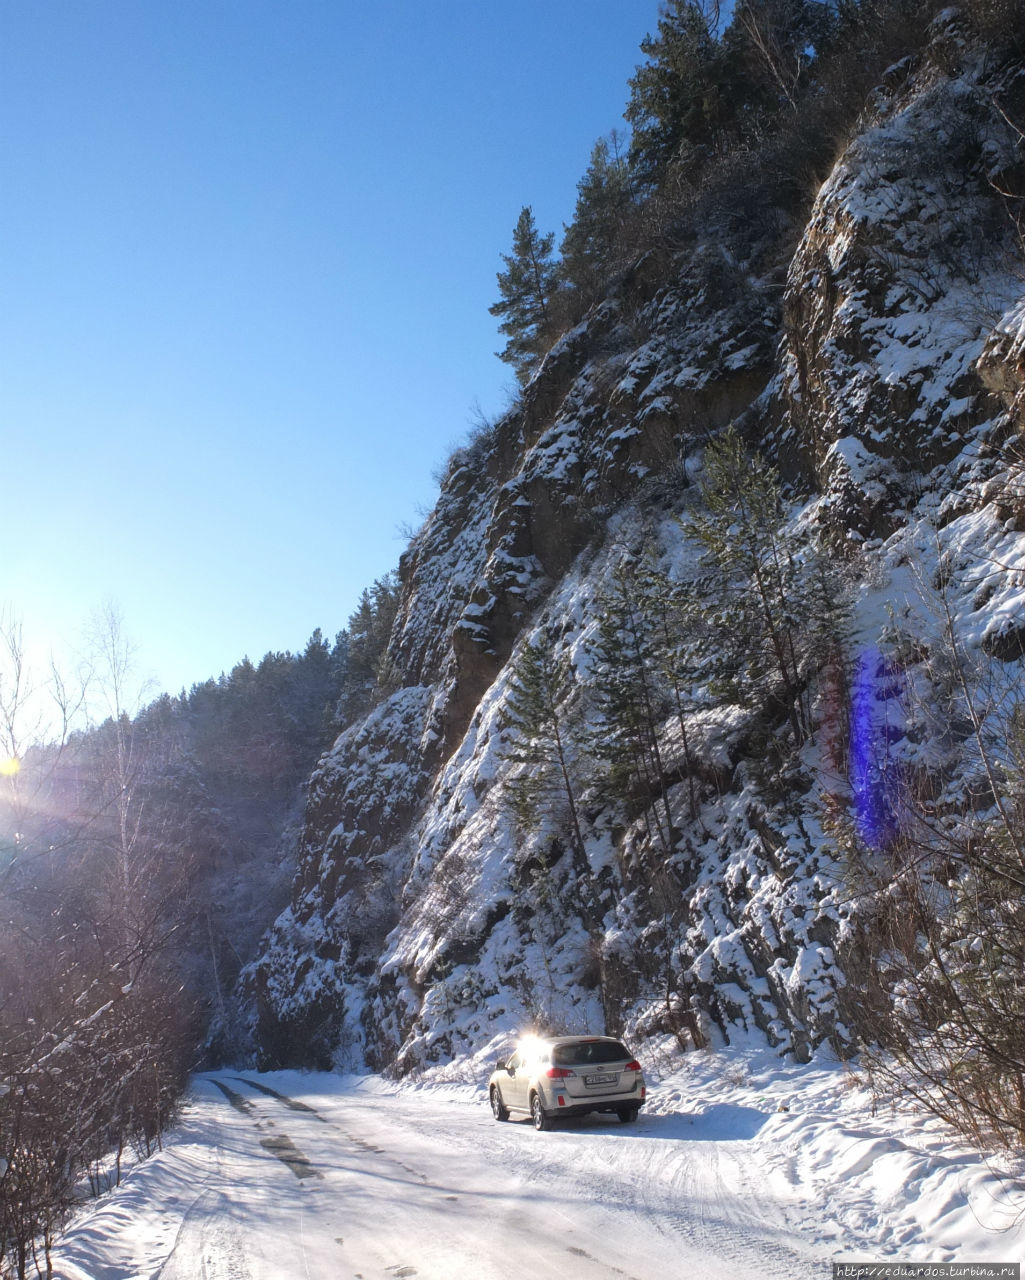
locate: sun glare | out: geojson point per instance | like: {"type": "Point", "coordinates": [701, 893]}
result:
{"type": "Point", "coordinates": [530, 1047]}
{"type": "Point", "coordinates": [9, 766]}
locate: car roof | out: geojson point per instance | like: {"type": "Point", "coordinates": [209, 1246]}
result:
{"type": "Point", "coordinates": [579, 1039]}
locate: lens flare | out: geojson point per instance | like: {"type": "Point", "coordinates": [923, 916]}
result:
{"type": "Point", "coordinates": [877, 724]}
{"type": "Point", "coordinates": [9, 766]}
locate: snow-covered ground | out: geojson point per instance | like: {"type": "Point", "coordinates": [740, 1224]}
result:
{"type": "Point", "coordinates": [306, 1175]}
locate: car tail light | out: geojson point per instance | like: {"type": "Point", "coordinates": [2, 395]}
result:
{"type": "Point", "coordinates": [632, 1065]}
{"type": "Point", "coordinates": [559, 1073]}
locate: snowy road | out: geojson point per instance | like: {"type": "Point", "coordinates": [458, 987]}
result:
{"type": "Point", "coordinates": [357, 1182]}
{"type": "Point", "coordinates": [735, 1170]}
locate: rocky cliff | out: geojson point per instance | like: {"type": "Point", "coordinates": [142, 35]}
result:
{"type": "Point", "coordinates": [886, 382]}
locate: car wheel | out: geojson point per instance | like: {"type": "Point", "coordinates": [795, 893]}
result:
{"type": "Point", "coordinates": [628, 1114]}
{"type": "Point", "coordinates": [498, 1108]}
{"type": "Point", "coordinates": [538, 1114]}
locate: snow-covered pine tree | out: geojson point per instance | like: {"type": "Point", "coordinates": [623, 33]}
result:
{"type": "Point", "coordinates": [631, 706]}
{"type": "Point", "coordinates": [539, 710]}
{"type": "Point", "coordinates": [677, 631]}
{"type": "Point", "coordinates": [758, 612]}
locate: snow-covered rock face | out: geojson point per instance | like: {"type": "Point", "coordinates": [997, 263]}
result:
{"type": "Point", "coordinates": [425, 922]}
{"type": "Point", "coordinates": [905, 274]}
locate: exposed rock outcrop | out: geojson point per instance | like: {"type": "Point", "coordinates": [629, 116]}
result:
{"type": "Point", "coordinates": [424, 920]}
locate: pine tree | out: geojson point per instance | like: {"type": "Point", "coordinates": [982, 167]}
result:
{"type": "Point", "coordinates": [673, 613]}
{"type": "Point", "coordinates": [631, 706]}
{"type": "Point", "coordinates": [780, 611]}
{"type": "Point", "coordinates": [676, 101]}
{"type": "Point", "coordinates": [527, 286]}
{"type": "Point", "coordinates": [539, 708]}
{"type": "Point", "coordinates": [593, 240]}
{"type": "Point", "coordinates": [536, 709]}
{"type": "Point", "coordinates": [367, 672]}
{"type": "Point", "coordinates": [740, 530]}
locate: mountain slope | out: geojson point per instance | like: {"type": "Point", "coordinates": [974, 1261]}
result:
{"type": "Point", "coordinates": [886, 383]}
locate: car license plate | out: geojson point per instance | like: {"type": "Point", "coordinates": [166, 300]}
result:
{"type": "Point", "coordinates": [606, 1078]}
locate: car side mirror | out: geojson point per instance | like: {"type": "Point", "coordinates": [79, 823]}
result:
{"type": "Point", "coordinates": [500, 1065]}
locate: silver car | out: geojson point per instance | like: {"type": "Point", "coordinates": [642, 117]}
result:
{"type": "Point", "coordinates": [560, 1076]}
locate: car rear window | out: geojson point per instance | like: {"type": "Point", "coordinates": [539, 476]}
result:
{"type": "Point", "coordinates": [589, 1052]}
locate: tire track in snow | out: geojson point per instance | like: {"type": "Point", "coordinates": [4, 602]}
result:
{"type": "Point", "coordinates": [713, 1188]}
{"type": "Point", "coordinates": [281, 1145]}
{"type": "Point", "coordinates": [237, 1101]}
{"type": "Point", "coordinates": [708, 1194]}
{"type": "Point", "coordinates": [534, 1162]}
{"type": "Point", "coordinates": [596, 1265]}
{"type": "Point", "coordinates": [289, 1154]}
{"type": "Point", "coordinates": [206, 1233]}
{"type": "Point", "coordinates": [360, 1143]}
{"type": "Point", "coordinates": [401, 1270]}
{"type": "Point", "coordinates": [688, 1191]}
{"type": "Point", "coordinates": [291, 1103]}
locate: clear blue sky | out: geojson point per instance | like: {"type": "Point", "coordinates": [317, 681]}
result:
{"type": "Point", "coordinates": [247, 250]}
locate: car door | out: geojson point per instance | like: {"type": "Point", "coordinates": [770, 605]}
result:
{"type": "Point", "coordinates": [514, 1085]}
